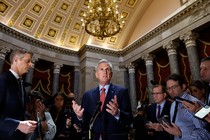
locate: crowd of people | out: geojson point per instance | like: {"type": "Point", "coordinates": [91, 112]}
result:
{"type": "Point", "coordinates": [179, 105]}
{"type": "Point", "coordinates": [105, 111]}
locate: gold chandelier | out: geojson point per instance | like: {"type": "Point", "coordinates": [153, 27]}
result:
{"type": "Point", "coordinates": [102, 18]}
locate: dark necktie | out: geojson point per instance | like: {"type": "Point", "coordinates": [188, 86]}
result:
{"type": "Point", "coordinates": [158, 113]}
{"type": "Point", "coordinates": [208, 96]}
{"type": "Point", "coordinates": [102, 97]}
{"type": "Point", "coordinates": [175, 111]}
{"type": "Point", "coordinates": [21, 88]}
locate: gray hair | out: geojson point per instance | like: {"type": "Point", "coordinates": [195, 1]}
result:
{"type": "Point", "coordinates": [104, 61]}
{"type": "Point", "coordinates": [18, 54]}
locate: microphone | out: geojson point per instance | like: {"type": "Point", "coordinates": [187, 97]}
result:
{"type": "Point", "coordinates": [95, 114]}
{"type": "Point", "coordinates": [92, 120]}
{"type": "Point", "coordinates": [179, 99]}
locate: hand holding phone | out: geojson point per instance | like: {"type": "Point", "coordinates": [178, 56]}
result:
{"type": "Point", "coordinates": [164, 119]}
{"type": "Point", "coordinates": [203, 112]}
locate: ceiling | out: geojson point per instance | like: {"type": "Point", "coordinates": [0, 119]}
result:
{"type": "Point", "coordinates": [57, 22]}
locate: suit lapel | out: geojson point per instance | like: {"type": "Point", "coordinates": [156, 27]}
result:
{"type": "Point", "coordinates": [154, 112]}
{"type": "Point", "coordinates": [95, 98]}
{"type": "Point", "coordinates": [14, 85]}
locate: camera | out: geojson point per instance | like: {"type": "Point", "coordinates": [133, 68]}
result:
{"type": "Point", "coordinates": [38, 95]}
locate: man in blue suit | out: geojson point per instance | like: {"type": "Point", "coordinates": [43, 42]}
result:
{"type": "Point", "coordinates": [156, 111]}
{"type": "Point", "coordinates": [13, 125]}
{"type": "Point", "coordinates": [115, 117]}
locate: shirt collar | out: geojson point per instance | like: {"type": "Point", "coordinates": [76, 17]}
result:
{"type": "Point", "coordinates": [162, 104]}
{"type": "Point", "coordinates": [106, 88]}
{"type": "Point", "coordinates": [14, 73]}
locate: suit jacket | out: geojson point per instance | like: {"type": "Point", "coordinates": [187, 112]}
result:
{"type": "Point", "coordinates": [151, 116]}
{"type": "Point", "coordinates": [105, 124]}
{"type": "Point", "coordinates": [11, 108]}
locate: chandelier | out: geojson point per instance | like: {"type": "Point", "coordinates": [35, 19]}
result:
{"type": "Point", "coordinates": [102, 19]}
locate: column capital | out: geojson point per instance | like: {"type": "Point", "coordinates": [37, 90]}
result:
{"type": "Point", "coordinates": [148, 58]}
{"type": "Point", "coordinates": [3, 52]}
{"type": "Point", "coordinates": [123, 67]}
{"type": "Point", "coordinates": [34, 60]}
{"type": "Point", "coordinates": [131, 67]}
{"type": "Point", "coordinates": [172, 44]}
{"type": "Point", "coordinates": [57, 67]}
{"type": "Point", "coordinates": [189, 38]}
{"type": "Point", "coordinates": [76, 68]}
{"type": "Point", "coordinates": [171, 47]}
{"type": "Point", "coordinates": [4, 49]}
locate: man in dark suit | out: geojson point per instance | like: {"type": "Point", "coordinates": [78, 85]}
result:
{"type": "Point", "coordinates": [115, 117]}
{"type": "Point", "coordinates": [13, 125]}
{"type": "Point", "coordinates": [156, 111]}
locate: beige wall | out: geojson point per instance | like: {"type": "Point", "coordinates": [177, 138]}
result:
{"type": "Point", "coordinates": [158, 10]}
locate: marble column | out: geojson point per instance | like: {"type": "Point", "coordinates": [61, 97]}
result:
{"type": "Point", "coordinates": [124, 71]}
{"type": "Point", "coordinates": [56, 72]}
{"type": "Point", "coordinates": [29, 75]}
{"type": "Point", "coordinates": [76, 84]}
{"type": "Point", "coordinates": [3, 53]}
{"type": "Point", "coordinates": [148, 58]}
{"type": "Point", "coordinates": [132, 87]}
{"type": "Point", "coordinates": [189, 39]}
{"type": "Point", "coordinates": [171, 48]}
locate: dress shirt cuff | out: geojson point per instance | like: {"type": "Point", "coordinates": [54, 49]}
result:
{"type": "Point", "coordinates": [118, 115]}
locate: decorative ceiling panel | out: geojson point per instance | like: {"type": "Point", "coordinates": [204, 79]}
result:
{"type": "Point", "coordinates": [4, 8]}
{"type": "Point", "coordinates": [58, 22]}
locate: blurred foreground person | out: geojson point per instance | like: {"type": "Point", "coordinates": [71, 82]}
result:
{"type": "Point", "coordinates": [13, 125]}
{"type": "Point", "coordinates": [139, 122]}
{"type": "Point", "coordinates": [36, 108]}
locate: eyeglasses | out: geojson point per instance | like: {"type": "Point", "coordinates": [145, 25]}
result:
{"type": "Point", "coordinates": [157, 93]}
{"type": "Point", "coordinates": [174, 87]}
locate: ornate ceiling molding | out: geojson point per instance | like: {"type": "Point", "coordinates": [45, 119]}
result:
{"type": "Point", "coordinates": [193, 7]}
{"type": "Point", "coordinates": [89, 48]}
{"type": "Point", "coordinates": [34, 41]}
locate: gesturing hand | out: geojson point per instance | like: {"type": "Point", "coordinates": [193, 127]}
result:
{"type": "Point", "coordinates": [77, 109]}
{"type": "Point", "coordinates": [27, 126]}
{"type": "Point", "coordinates": [112, 106]}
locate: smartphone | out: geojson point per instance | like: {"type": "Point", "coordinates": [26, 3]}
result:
{"type": "Point", "coordinates": [164, 119]}
{"type": "Point", "coordinates": [203, 112]}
